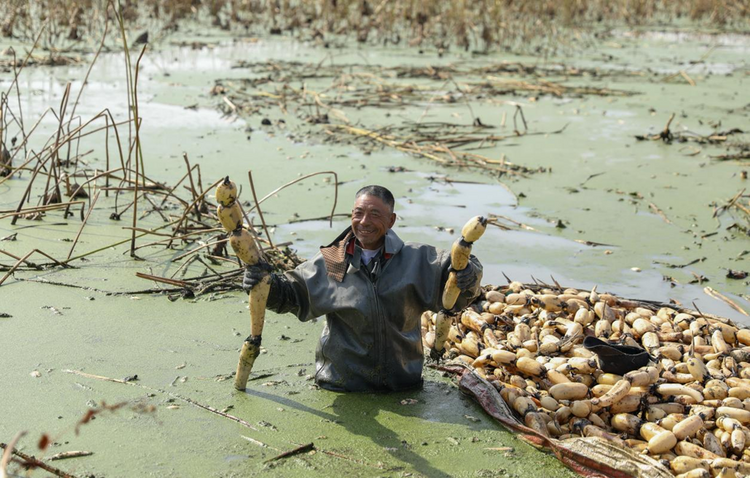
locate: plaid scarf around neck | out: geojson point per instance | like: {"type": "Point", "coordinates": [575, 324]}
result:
{"type": "Point", "coordinates": [334, 255]}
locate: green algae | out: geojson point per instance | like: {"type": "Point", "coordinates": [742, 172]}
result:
{"type": "Point", "coordinates": [185, 347]}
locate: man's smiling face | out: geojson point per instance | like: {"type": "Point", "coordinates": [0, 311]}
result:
{"type": "Point", "coordinates": [371, 220]}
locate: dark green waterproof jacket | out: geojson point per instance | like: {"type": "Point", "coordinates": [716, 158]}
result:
{"type": "Point", "coordinates": [372, 340]}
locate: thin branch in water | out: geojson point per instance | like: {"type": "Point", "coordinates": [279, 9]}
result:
{"type": "Point", "coordinates": [31, 462]}
{"type": "Point", "coordinates": [88, 214]}
{"type": "Point", "coordinates": [300, 449]}
{"type": "Point", "coordinates": [257, 206]}
{"type": "Point", "coordinates": [172, 394]}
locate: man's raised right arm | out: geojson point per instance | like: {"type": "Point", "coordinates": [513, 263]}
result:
{"type": "Point", "coordinates": [287, 293]}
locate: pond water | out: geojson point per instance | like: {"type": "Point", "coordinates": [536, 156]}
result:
{"type": "Point", "coordinates": [649, 204]}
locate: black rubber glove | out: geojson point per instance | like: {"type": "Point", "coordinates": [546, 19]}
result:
{"type": "Point", "coordinates": [253, 275]}
{"type": "Point", "coordinates": [467, 278]}
{"type": "Point", "coordinates": [281, 295]}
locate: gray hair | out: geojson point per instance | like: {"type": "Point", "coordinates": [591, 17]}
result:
{"type": "Point", "coordinates": [379, 192]}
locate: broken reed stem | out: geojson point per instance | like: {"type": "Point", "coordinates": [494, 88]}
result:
{"type": "Point", "coordinates": [154, 207]}
{"type": "Point", "coordinates": [719, 296]}
{"type": "Point", "coordinates": [80, 230]}
{"type": "Point", "coordinates": [192, 185]}
{"type": "Point", "coordinates": [300, 449]}
{"type": "Point", "coordinates": [118, 243]}
{"type": "Point", "coordinates": [8, 451]}
{"type": "Point", "coordinates": [57, 145]}
{"type": "Point", "coordinates": [33, 462]}
{"type": "Point", "coordinates": [193, 251]}
{"type": "Point", "coordinates": [257, 206]}
{"type": "Point", "coordinates": [76, 132]}
{"type": "Point", "coordinates": [169, 236]}
{"type": "Point", "coordinates": [91, 67]}
{"type": "Point", "coordinates": [50, 156]}
{"type": "Point", "coordinates": [28, 263]}
{"type": "Point", "coordinates": [23, 259]}
{"type": "Point", "coordinates": [665, 132]}
{"type": "Point", "coordinates": [171, 394]}
{"type": "Point", "coordinates": [187, 211]}
{"type": "Point", "coordinates": [336, 189]}
{"type": "Point", "coordinates": [165, 280]}
{"type": "Point", "coordinates": [173, 188]}
{"type": "Point", "coordinates": [659, 212]}
{"type": "Point", "coordinates": [30, 210]}
{"type": "Point", "coordinates": [138, 150]}
{"type": "Point", "coordinates": [28, 56]}
{"type": "Point", "coordinates": [23, 143]}
{"type": "Point", "coordinates": [15, 266]}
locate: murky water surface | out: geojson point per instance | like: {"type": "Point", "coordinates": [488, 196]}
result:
{"type": "Point", "coordinates": [600, 187]}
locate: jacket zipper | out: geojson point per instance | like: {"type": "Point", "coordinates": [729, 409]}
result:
{"type": "Point", "coordinates": [380, 335]}
{"type": "Point", "coordinates": [381, 326]}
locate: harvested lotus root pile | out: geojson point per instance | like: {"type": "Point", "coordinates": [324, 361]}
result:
{"type": "Point", "coordinates": [686, 404]}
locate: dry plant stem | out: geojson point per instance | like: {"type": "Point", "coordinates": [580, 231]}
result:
{"type": "Point", "coordinates": [187, 211]}
{"type": "Point", "coordinates": [28, 56]}
{"type": "Point", "coordinates": [154, 207]}
{"type": "Point", "coordinates": [101, 291]}
{"type": "Point", "coordinates": [35, 463]}
{"type": "Point", "coordinates": [169, 236]}
{"type": "Point", "coordinates": [138, 151]}
{"type": "Point", "coordinates": [172, 394]}
{"type": "Point", "coordinates": [41, 164]}
{"type": "Point", "coordinates": [88, 214]}
{"type": "Point", "coordinates": [118, 243]}
{"type": "Point", "coordinates": [165, 280]}
{"type": "Point", "coordinates": [57, 145]}
{"type": "Point", "coordinates": [719, 211]}
{"type": "Point", "coordinates": [28, 263]}
{"type": "Point", "coordinates": [28, 190]}
{"type": "Point", "coordinates": [77, 131]}
{"type": "Point", "coordinates": [174, 188]}
{"type": "Point", "coordinates": [51, 207]}
{"type": "Point", "coordinates": [69, 454]}
{"type": "Point", "coordinates": [23, 259]}
{"type": "Point", "coordinates": [193, 251]}
{"type": "Point", "coordinates": [336, 189]}
{"type": "Point", "coordinates": [192, 185]}
{"type": "Point", "coordinates": [659, 212]}
{"type": "Point", "coordinates": [669, 122]}
{"type": "Point", "coordinates": [182, 270]}
{"type": "Point", "coordinates": [91, 67]}
{"type": "Point", "coordinates": [128, 73]}
{"type": "Point", "coordinates": [300, 449]}
{"type": "Point", "coordinates": [15, 266]}
{"type": "Point", "coordinates": [8, 452]}
{"type": "Point", "coordinates": [719, 296]}
{"type": "Point", "coordinates": [23, 143]}
{"type": "Point", "coordinates": [85, 82]}
{"type": "Point", "coordinates": [257, 206]}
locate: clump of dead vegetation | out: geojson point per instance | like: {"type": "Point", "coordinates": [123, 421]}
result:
{"type": "Point", "coordinates": [480, 25]}
{"type": "Point", "coordinates": [61, 180]}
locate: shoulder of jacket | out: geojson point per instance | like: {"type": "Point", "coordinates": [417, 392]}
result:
{"type": "Point", "coordinates": [419, 248]}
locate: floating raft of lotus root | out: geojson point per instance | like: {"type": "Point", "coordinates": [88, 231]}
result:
{"type": "Point", "coordinates": [686, 414]}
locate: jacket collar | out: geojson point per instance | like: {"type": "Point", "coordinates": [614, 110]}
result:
{"type": "Point", "coordinates": [393, 244]}
{"type": "Point", "coordinates": [335, 254]}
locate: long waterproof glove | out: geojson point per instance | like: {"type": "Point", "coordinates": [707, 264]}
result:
{"type": "Point", "coordinates": [254, 274]}
{"type": "Point", "coordinates": [466, 278]}
{"type": "Point", "coordinates": [281, 295]}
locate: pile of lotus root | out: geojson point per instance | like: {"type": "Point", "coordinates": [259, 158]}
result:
{"type": "Point", "coordinates": [688, 406]}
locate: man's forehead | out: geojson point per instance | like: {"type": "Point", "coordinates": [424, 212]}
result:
{"type": "Point", "coordinates": [367, 201]}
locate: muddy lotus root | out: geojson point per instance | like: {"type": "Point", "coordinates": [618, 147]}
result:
{"type": "Point", "coordinates": [688, 408]}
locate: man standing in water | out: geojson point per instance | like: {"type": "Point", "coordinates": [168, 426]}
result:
{"type": "Point", "coordinates": [372, 287]}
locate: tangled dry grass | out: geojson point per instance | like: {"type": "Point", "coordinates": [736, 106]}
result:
{"type": "Point", "coordinates": [482, 24]}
